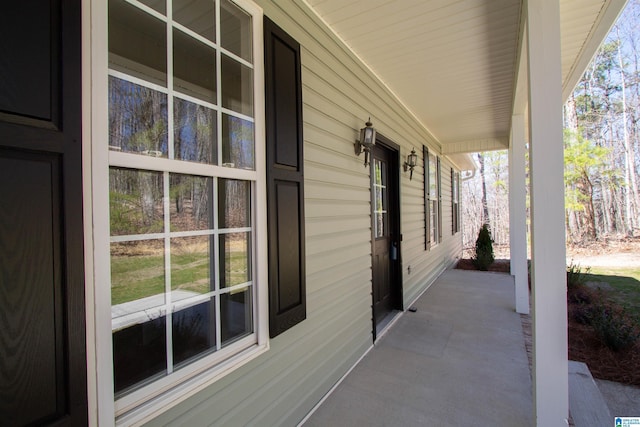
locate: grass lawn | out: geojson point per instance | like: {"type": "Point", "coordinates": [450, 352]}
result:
{"type": "Point", "coordinates": [625, 286]}
{"type": "Point", "coordinates": [142, 276]}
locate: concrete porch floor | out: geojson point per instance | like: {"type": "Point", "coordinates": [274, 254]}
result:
{"type": "Point", "coordinates": [459, 360]}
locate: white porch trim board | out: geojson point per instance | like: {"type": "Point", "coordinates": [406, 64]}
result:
{"type": "Point", "coordinates": [518, 213]}
{"type": "Point", "coordinates": [550, 370]}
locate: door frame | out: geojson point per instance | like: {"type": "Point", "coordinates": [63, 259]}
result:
{"type": "Point", "coordinates": [394, 225]}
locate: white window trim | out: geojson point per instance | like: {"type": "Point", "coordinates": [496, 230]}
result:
{"type": "Point", "coordinates": [102, 408]}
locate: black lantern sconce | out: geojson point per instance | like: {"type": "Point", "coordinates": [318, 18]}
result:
{"type": "Point", "coordinates": [366, 142]}
{"type": "Point", "coordinates": [412, 160]}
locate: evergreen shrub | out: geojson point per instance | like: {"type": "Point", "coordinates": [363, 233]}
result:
{"type": "Point", "coordinates": [484, 257]}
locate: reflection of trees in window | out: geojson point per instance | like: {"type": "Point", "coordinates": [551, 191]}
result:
{"type": "Point", "coordinates": [195, 132]}
{"type": "Point", "coordinates": [234, 203]}
{"type": "Point", "coordinates": [135, 201]}
{"type": "Point", "coordinates": [160, 72]}
{"type": "Point", "coordinates": [191, 202]}
{"type": "Point", "coordinates": [237, 143]}
{"type": "Point", "coordinates": [137, 119]}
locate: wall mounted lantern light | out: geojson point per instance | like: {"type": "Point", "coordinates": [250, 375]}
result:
{"type": "Point", "coordinates": [366, 142]}
{"type": "Point", "coordinates": [412, 160]}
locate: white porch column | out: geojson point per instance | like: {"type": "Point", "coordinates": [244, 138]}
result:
{"type": "Point", "coordinates": [518, 213]}
{"type": "Point", "coordinates": [550, 371]}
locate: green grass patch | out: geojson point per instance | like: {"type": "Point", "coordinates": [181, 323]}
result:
{"type": "Point", "coordinates": [624, 286]}
{"type": "Point", "coordinates": [141, 276]}
{"type": "Point", "coordinates": [136, 277]}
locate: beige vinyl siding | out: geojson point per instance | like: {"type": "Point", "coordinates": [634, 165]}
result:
{"type": "Point", "coordinates": [339, 94]}
{"type": "Point", "coordinates": [426, 265]}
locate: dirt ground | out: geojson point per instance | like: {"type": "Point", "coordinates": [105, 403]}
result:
{"type": "Point", "coordinates": [611, 252]}
{"type": "Point", "coordinates": [623, 253]}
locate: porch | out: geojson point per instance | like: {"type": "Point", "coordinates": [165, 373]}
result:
{"type": "Point", "coordinates": [460, 359]}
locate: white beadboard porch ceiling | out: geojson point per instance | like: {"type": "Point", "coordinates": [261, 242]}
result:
{"type": "Point", "coordinates": [454, 63]}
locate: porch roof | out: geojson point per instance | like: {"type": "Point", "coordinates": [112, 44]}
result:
{"type": "Point", "coordinates": [456, 64]}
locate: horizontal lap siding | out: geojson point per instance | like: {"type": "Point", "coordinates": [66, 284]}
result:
{"type": "Point", "coordinates": [425, 265]}
{"type": "Point", "coordinates": [339, 94]}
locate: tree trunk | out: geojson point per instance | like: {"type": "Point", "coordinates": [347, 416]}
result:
{"type": "Point", "coordinates": [571, 115]}
{"type": "Point", "coordinates": [629, 178]}
{"type": "Point", "coordinates": [485, 207]}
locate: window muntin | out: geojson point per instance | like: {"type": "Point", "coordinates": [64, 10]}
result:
{"type": "Point", "coordinates": [181, 243]}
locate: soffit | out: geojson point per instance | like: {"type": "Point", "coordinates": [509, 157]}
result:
{"type": "Point", "coordinates": [453, 63]}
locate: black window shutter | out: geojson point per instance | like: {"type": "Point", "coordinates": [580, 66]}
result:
{"type": "Point", "coordinates": [285, 179]}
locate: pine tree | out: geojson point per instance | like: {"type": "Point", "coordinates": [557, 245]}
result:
{"type": "Point", "coordinates": [484, 249]}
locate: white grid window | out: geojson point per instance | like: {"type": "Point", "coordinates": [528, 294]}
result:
{"type": "Point", "coordinates": [433, 203]}
{"type": "Point", "coordinates": [455, 204]}
{"type": "Point", "coordinates": [185, 184]}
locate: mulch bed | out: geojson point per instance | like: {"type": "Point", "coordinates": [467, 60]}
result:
{"type": "Point", "coordinates": [584, 343]}
{"type": "Point", "coordinates": [499, 265]}
{"type": "Point", "coordinates": [585, 346]}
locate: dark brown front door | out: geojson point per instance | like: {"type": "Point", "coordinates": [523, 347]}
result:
{"type": "Point", "coordinates": [42, 317]}
{"type": "Point", "coordinates": [385, 230]}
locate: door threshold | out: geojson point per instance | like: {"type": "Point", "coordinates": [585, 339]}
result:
{"type": "Point", "coordinates": [385, 324]}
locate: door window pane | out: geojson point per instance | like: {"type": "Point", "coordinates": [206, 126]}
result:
{"type": "Point", "coordinates": [237, 86]}
{"type": "Point", "coordinates": [137, 119]}
{"type": "Point", "coordinates": [197, 15]}
{"type": "Point", "coordinates": [379, 198]}
{"type": "Point", "coordinates": [194, 67]}
{"type": "Point", "coordinates": [236, 31]}
{"type": "Point", "coordinates": [237, 142]}
{"type": "Point", "coordinates": [137, 43]}
{"type": "Point", "coordinates": [235, 259]}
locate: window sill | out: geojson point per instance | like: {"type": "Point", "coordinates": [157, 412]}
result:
{"type": "Point", "coordinates": [166, 400]}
